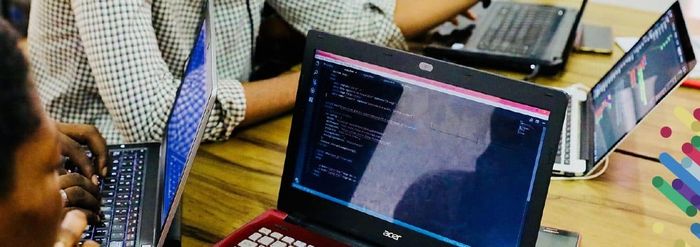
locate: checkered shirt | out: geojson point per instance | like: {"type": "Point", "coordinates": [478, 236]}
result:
{"type": "Point", "coordinates": [117, 64]}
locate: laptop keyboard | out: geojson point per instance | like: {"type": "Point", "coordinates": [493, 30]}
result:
{"type": "Point", "coordinates": [565, 140]}
{"type": "Point", "coordinates": [266, 237]}
{"type": "Point", "coordinates": [121, 197]}
{"type": "Point", "coordinates": [518, 28]}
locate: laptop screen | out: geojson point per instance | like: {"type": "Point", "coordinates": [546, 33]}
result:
{"type": "Point", "coordinates": [452, 164]}
{"type": "Point", "coordinates": [187, 114]}
{"type": "Point", "coordinates": [637, 83]}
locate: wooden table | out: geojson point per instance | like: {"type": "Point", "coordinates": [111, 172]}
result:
{"type": "Point", "coordinates": [234, 181]}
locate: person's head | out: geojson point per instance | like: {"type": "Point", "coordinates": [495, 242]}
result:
{"type": "Point", "coordinates": [30, 203]}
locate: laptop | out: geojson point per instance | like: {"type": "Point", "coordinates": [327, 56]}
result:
{"type": "Point", "coordinates": [600, 119]}
{"type": "Point", "coordinates": [523, 36]}
{"type": "Point", "coordinates": [395, 149]}
{"type": "Point", "coordinates": [141, 194]}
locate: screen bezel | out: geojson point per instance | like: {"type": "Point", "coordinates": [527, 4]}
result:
{"type": "Point", "coordinates": [211, 89]}
{"type": "Point", "coordinates": [690, 62]}
{"type": "Point", "coordinates": [315, 210]}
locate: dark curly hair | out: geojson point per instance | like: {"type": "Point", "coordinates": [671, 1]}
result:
{"type": "Point", "coordinates": [18, 119]}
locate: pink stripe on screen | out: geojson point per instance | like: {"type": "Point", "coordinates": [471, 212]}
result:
{"type": "Point", "coordinates": [436, 84]}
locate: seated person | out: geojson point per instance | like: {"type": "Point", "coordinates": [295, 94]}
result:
{"type": "Point", "coordinates": [117, 64]}
{"type": "Point", "coordinates": [32, 194]}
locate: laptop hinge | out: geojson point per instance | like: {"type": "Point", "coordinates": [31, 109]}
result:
{"type": "Point", "coordinates": [587, 132]}
{"type": "Point", "coordinates": [324, 231]}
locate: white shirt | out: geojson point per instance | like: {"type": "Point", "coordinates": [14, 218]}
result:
{"type": "Point", "coordinates": [117, 64]}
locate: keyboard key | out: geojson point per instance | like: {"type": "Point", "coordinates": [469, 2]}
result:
{"type": "Point", "coordinates": [279, 244]}
{"type": "Point", "coordinates": [255, 236]}
{"type": "Point", "coordinates": [99, 239]}
{"type": "Point", "coordinates": [130, 236]}
{"type": "Point", "coordinates": [299, 244]}
{"type": "Point", "coordinates": [276, 235]}
{"type": "Point", "coordinates": [130, 244]}
{"type": "Point", "coordinates": [116, 244]}
{"type": "Point", "coordinates": [100, 232]}
{"type": "Point", "coordinates": [121, 203]}
{"type": "Point", "coordinates": [118, 228]}
{"type": "Point", "coordinates": [265, 231]}
{"type": "Point", "coordinates": [117, 236]}
{"type": "Point", "coordinates": [119, 219]}
{"type": "Point", "coordinates": [288, 239]}
{"type": "Point", "coordinates": [107, 201]}
{"type": "Point", "coordinates": [247, 243]}
{"type": "Point", "coordinates": [266, 240]}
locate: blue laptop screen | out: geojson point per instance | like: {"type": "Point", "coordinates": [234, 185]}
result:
{"type": "Point", "coordinates": [187, 114]}
{"type": "Point", "coordinates": [452, 164]}
{"type": "Point", "coordinates": [636, 84]}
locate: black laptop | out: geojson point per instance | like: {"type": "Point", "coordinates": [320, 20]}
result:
{"type": "Point", "coordinates": [524, 36]}
{"type": "Point", "coordinates": [394, 149]}
{"type": "Point", "coordinates": [141, 194]}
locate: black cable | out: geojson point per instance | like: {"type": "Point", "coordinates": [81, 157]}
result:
{"type": "Point", "coordinates": [252, 35]}
{"type": "Point", "coordinates": [534, 73]}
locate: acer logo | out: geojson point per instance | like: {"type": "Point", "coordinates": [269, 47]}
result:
{"type": "Point", "coordinates": [391, 235]}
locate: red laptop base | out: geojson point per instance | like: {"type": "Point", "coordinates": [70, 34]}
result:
{"type": "Point", "coordinates": [273, 220]}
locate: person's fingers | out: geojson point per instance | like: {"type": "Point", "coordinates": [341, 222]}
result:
{"type": "Point", "coordinates": [454, 21]}
{"type": "Point", "coordinates": [79, 197]}
{"type": "Point", "coordinates": [470, 15]}
{"type": "Point", "coordinates": [90, 136]}
{"type": "Point", "coordinates": [62, 171]}
{"type": "Point", "coordinates": [71, 229]}
{"type": "Point", "coordinates": [76, 179]}
{"type": "Point", "coordinates": [76, 154]}
{"type": "Point", "coordinates": [90, 216]}
{"type": "Point", "coordinates": [91, 243]}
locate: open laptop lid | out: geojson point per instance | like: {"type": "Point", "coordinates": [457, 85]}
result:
{"type": "Point", "coordinates": [573, 31]}
{"type": "Point", "coordinates": [381, 137]}
{"type": "Point", "coordinates": [186, 123]}
{"type": "Point", "coordinates": [639, 81]}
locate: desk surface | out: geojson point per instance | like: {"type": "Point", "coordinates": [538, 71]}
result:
{"type": "Point", "coordinates": [232, 182]}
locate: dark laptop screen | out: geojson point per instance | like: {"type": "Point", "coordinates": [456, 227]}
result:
{"type": "Point", "coordinates": [450, 163]}
{"type": "Point", "coordinates": [187, 114]}
{"type": "Point", "coordinates": [636, 84]}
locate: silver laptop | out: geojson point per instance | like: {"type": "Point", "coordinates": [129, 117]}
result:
{"type": "Point", "coordinates": [598, 120]}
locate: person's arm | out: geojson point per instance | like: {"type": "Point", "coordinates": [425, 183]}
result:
{"type": "Point", "coordinates": [132, 77]}
{"type": "Point", "coordinates": [416, 17]}
{"type": "Point", "coordinates": [267, 98]}
{"type": "Point", "coordinates": [366, 20]}
{"type": "Point", "coordinates": [386, 22]}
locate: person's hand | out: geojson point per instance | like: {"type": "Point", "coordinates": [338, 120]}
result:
{"type": "Point", "coordinates": [71, 137]}
{"type": "Point", "coordinates": [80, 194]}
{"type": "Point", "coordinates": [71, 230]}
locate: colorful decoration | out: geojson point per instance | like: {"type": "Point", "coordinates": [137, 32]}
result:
{"type": "Point", "coordinates": [684, 191]}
